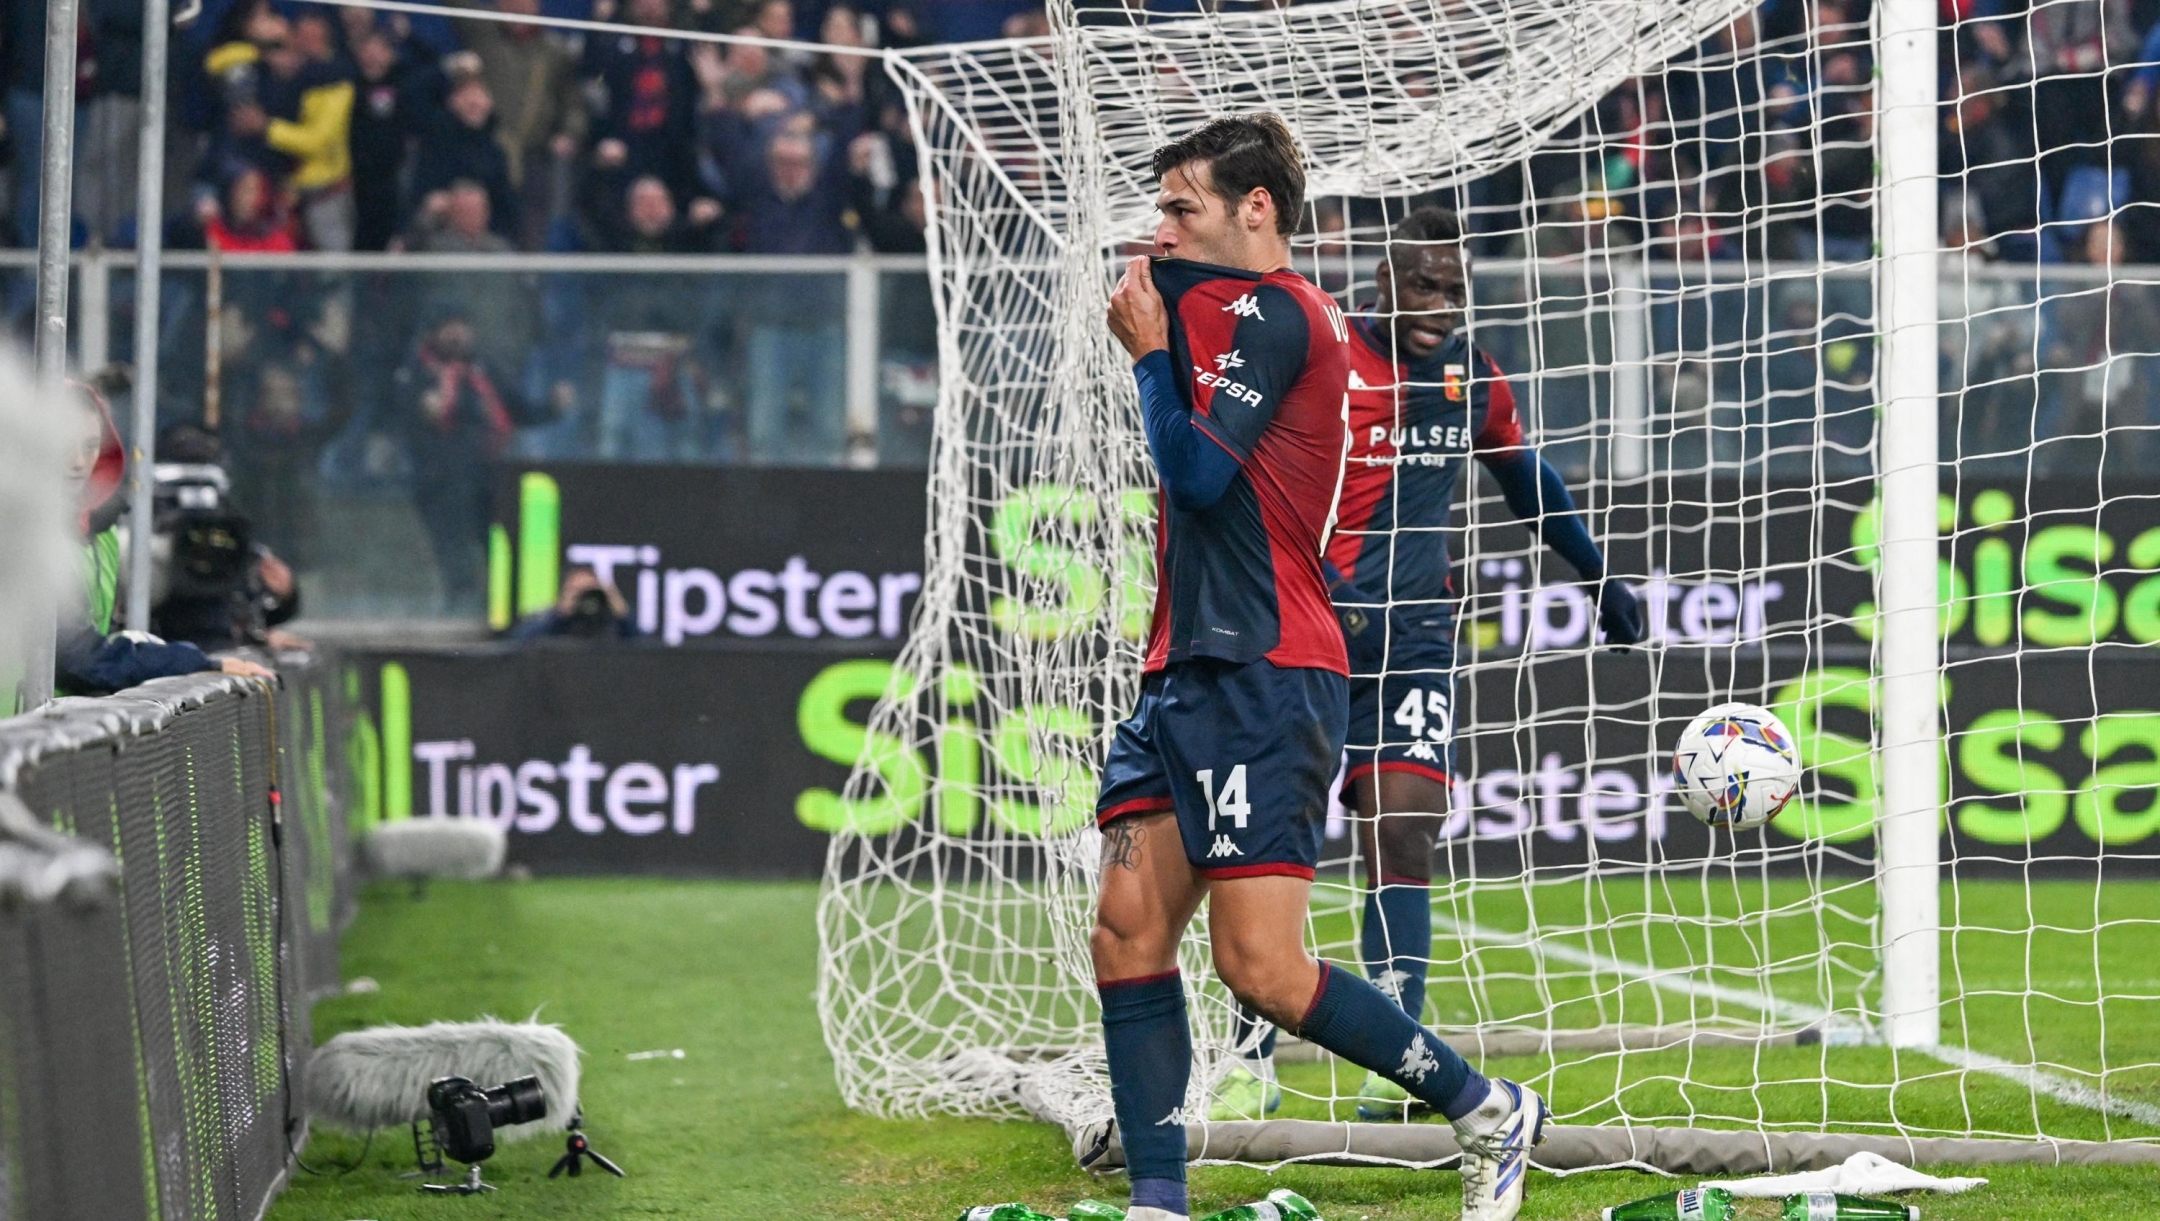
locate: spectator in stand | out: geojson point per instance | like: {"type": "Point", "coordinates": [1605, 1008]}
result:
{"type": "Point", "coordinates": [652, 395]}
{"type": "Point", "coordinates": [247, 216]}
{"type": "Point", "coordinates": [786, 174]}
{"type": "Point", "coordinates": [456, 220]}
{"type": "Point", "coordinates": [891, 216]}
{"type": "Point", "coordinates": [1986, 163]}
{"type": "Point", "coordinates": [1847, 161]}
{"type": "Point", "coordinates": [849, 80]}
{"type": "Point", "coordinates": [970, 20]}
{"type": "Point", "coordinates": [298, 121]}
{"type": "Point", "coordinates": [540, 119]}
{"type": "Point", "coordinates": [108, 103]}
{"type": "Point", "coordinates": [24, 66]}
{"type": "Point", "coordinates": [459, 142]}
{"type": "Point", "coordinates": [456, 414]}
{"type": "Point", "coordinates": [793, 204]}
{"type": "Point", "coordinates": [650, 225]}
{"type": "Point", "coordinates": [773, 19]}
{"type": "Point", "coordinates": [382, 130]}
{"type": "Point", "coordinates": [647, 122]}
{"type": "Point", "coordinates": [746, 81]}
{"type": "Point", "coordinates": [2074, 44]}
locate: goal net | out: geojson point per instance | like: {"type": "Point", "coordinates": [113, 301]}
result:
{"type": "Point", "coordinates": [1675, 213]}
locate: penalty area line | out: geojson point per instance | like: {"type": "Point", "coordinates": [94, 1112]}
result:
{"type": "Point", "coordinates": [2038, 1080]}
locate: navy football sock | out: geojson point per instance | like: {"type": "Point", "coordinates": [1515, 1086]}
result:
{"type": "Point", "coordinates": [1358, 1022]}
{"type": "Point", "coordinates": [1246, 1021]}
{"type": "Point", "coordinates": [1150, 1054]}
{"type": "Point", "coordinates": [1397, 940]}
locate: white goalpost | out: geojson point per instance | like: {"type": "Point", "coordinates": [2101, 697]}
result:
{"type": "Point", "coordinates": [1833, 458]}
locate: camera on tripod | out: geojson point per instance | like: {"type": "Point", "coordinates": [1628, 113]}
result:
{"type": "Point", "coordinates": [463, 1117]}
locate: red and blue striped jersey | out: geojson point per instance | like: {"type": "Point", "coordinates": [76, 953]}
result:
{"type": "Point", "coordinates": [1411, 425]}
{"type": "Point", "coordinates": [1263, 363]}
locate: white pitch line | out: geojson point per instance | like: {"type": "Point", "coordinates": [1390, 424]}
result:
{"type": "Point", "coordinates": [1677, 979]}
{"type": "Point", "coordinates": [2062, 1089]}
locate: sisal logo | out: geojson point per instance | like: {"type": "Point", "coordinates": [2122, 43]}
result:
{"type": "Point", "coordinates": [678, 603]}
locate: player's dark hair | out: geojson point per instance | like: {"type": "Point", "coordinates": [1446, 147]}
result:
{"type": "Point", "coordinates": [1255, 150]}
{"type": "Point", "coordinates": [1431, 224]}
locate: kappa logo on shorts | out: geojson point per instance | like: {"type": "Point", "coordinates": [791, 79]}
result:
{"type": "Point", "coordinates": [1223, 847]}
{"type": "Point", "coordinates": [1423, 750]}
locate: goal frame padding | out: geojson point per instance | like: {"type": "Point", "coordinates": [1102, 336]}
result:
{"type": "Point", "coordinates": [1680, 1151]}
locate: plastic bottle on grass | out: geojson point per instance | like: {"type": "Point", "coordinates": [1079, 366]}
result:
{"type": "Point", "coordinates": [1004, 1212]}
{"type": "Point", "coordinates": [1095, 1210]}
{"type": "Point", "coordinates": [1694, 1204]}
{"type": "Point", "coordinates": [1825, 1206]}
{"type": "Point", "coordinates": [1282, 1204]}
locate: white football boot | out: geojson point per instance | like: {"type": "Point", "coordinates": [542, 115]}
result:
{"type": "Point", "coordinates": [1496, 1140]}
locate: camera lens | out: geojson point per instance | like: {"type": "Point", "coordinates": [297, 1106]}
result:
{"type": "Point", "coordinates": [519, 1101]}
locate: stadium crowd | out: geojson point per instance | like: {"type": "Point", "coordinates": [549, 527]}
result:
{"type": "Point", "coordinates": [308, 127]}
{"type": "Point", "coordinates": [303, 126]}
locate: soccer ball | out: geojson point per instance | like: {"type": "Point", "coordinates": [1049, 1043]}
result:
{"type": "Point", "coordinates": [1736, 766]}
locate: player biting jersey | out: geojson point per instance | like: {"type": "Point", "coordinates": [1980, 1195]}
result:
{"type": "Point", "coordinates": [1216, 786]}
{"type": "Point", "coordinates": [1422, 399]}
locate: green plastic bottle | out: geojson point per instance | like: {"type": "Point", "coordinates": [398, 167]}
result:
{"type": "Point", "coordinates": [1004, 1212]}
{"type": "Point", "coordinates": [1095, 1210]}
{"type": "Point", "coordinates": [1282, 1204]}
{"type": "Point", "coordinates": [1825, 1206]}
{"type": "Point", "coordinates": [1694, 1204]}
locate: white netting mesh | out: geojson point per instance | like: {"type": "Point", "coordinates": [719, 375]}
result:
{"type": "Point", "coordinates": [1670, 206]}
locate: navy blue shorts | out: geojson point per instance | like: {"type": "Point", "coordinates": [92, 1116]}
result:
{"type": "Point", "coordinates": [1243, 754]}
{"type": "Point", "coordinates": [1402, 704]}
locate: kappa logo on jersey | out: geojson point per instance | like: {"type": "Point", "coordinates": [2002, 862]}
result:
{"type": "Point", "coordinates": [1230, 360]}
{"type": "Point", "coordinates": [1247, 306]}
{"type": "Point", "coordinates": [1417, 1061]}
{"type": "Point", "coordinates": [1359, 383]}
{"type": "Point", "coordinates": [1223, 385]}
{"type": "Point", "coordinates": [1223, 847]}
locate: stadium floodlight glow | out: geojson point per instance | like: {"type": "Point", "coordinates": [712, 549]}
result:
{"type": "Point", "coordinates": [1689, 305]}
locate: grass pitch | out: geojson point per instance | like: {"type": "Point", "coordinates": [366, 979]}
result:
{"type": "Point", "coordinates": [747, 1123]}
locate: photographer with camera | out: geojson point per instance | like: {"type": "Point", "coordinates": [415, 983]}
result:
{"type": "Point", "coordinates": [215, 586]}
{"type": "Point", "coordinates": [89, 657]}
{"type": "Point", "coordinates": [586, 609]}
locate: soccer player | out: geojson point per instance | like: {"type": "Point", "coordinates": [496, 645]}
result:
{"type": "Point", "coordinates": [1422, 398]}
{"type": "Point", "coordinates": [1216, 787]}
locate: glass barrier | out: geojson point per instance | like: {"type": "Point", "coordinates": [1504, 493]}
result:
{"type": "Point", "coordinates": [361, 408]}
{"type": "Point", "coordinates": [360, 402]}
